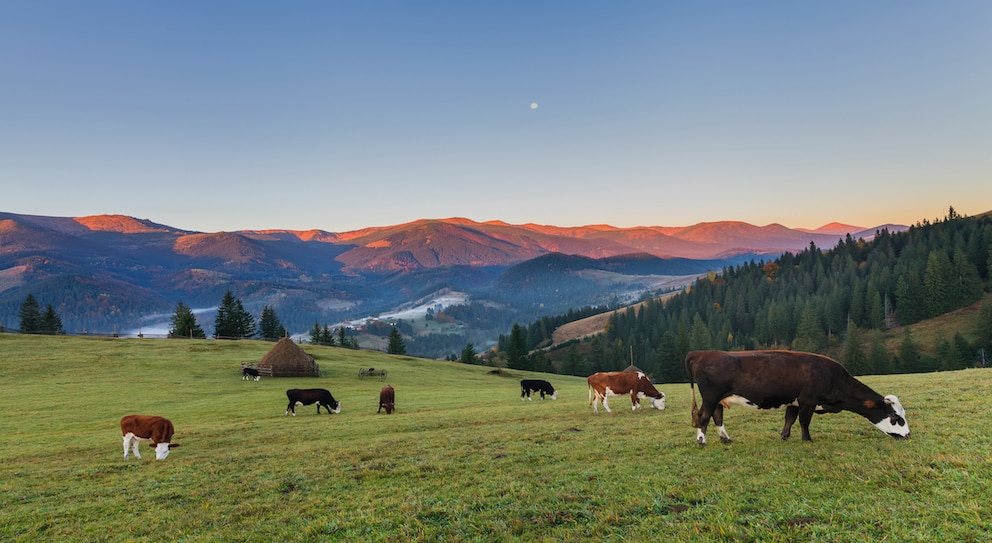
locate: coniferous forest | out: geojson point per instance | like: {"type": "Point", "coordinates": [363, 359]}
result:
{"type": "Point", "coordinates": [835, 302]}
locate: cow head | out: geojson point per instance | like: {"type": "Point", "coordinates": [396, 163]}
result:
{"type": "Point", "coordinates": [894, 420]}
{"type": "Point", "coordinates": [659, 402]}
{"type": "Point", "coordinates": [336, 406]}
{"type": "Point", "coordinates": [162, 450]}
{"type": "Point", "coordinates": [554, 395]}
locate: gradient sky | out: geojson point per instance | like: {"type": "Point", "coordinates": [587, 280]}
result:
{"type": "Point", "coordinates": [333, 115]}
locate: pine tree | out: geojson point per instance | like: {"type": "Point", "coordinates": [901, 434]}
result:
{"type": "Point", "coordinates": [909, 355]}
{"type": "Point", "coordinates": [396, 345]}
{"type": "Point", "coordinates": [30, 315]}
{"type": "Point", "coordinates": [269, 325]}
{"type": "Point", "coordinates": [225, 326]}
{"type": "Point", "coordinates": [51, 323]}
{"type": "Point", "coordinates": [315, 334]}
{"type": "Point", "coordinates": [468, 354]}
{"type": "Point", "coordinates": [184, 323]}
{"type": "Point", "coordinates": [232, 321]}
{"type": "Point", "coordinates": [983, 328]}
{"type": "Point", "coordinates": [853, 356]}
{"type": "Point", "coordinates": [516, 349]}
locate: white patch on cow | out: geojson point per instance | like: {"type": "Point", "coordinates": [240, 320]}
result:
{"type": "Point", "coordinates": [739, 400]}
{"type": "Point", "coordinates": [724, 436]}
{"type": "Point", "coordinates": [700, 437]}
{"type": "Point", "coordinates": [555, 395]}
{"type": "Point", "coordinates": [338, 410]}
{"type": "Point", "coordinates": [131, 442]}
{"type": "Point", "coordinates": [901, 426]}
{"type": "Point", "coordinates": [659, 403]}
{"type": "Point", "coordinates": [161, 451]}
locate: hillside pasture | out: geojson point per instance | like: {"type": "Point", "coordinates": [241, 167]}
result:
{"type": "Point", "coordinates": [462, 458]}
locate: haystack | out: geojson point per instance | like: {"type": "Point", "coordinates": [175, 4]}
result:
{"type": "Point", "coordinates": [287, 359]}
{"type": "Point", "coordinates": [634, 368]}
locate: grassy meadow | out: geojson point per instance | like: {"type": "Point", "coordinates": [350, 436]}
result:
{"type": "Point", "coordinates": [462, 459]}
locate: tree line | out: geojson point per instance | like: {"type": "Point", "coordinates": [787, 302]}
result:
{"type": "Point", "coordinates": [231, 322]}
{"type": "Point", "coordinates": [834, 301]}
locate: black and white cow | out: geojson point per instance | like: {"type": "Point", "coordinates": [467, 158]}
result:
{"type": "Point", "coordinates": [802, 383]}
{"type": "Point", "coordinates": [308, 396]}
{"type": "Point", "coordinates": [138, 428]}
{"type": "Point", "coordinates": [536, 385]}
{"type": "Point", "coordinates": [247, 374]}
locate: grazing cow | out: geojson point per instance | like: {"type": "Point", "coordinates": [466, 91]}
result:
{"type": "Point", "coordinates": [387, 399]}
{"type": "Point", "coordinates": [138, 428]}
{"type": "Point", "coordinates": [537, 385]}
{"type": "Point", "coordinates": [248, 373]}
{"type": "Point", "coordinates": [802, 383]}
{"type": "Point", "coordinates": [616, 383]}
{"type": "Point", "coordinates": [307, 396]}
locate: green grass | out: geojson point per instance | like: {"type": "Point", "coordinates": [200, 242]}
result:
{"type": "Point", "coordinates": [461, 460]}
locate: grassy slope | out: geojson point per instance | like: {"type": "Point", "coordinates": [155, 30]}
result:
{"type": "Point", "coordinates": [462, 460]}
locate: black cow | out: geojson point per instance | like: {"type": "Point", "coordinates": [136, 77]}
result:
{"type": "Point", "coordinates": [536, 385]}
{"type": "Point", "coordinates": [802, 383]}
{"type": "Point", "coordinates": [307, 396]}
{"type": "Point", "coordinates": [248, 374]}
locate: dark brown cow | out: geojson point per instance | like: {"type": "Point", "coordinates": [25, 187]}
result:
{"type": "Point", "coordinates": [616, 383]}
{"type": "Point", "coordinates": [138, 428]}
{"type": "Point", "coordinates": [802, 383]}
{"type": "Point", "coordinates": [387, 399]}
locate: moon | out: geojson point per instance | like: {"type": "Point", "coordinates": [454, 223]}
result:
{"type": "Point", "coordinates": [533, 105]}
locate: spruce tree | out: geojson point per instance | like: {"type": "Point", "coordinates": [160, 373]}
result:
{"type": "Point", "coordinates": [51, 323]}
{"type": "Point", "coordinates": [225, 326]}
{"type": "Point", "coordinates": [396, 345]}
{"type": "Point", "coordinates": [468, 354]}
{"type": "Point", "coordinates": [30, 316]}
{"type": "Point", "coordinates": [184, 323]}
{"type": "Point", "coordinates": [516, 349]}
{"type": "Point", "coordinates": [269, 325]}
{"type": "Point", "coordinates": [853, 356]}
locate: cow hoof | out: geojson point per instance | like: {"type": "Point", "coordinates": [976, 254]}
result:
{"type": "Point", "coordinates": [726, 440]}
{"type": "Point", "coordinates": [701, 442]}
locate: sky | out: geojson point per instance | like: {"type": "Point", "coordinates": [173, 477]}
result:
{"type": "Point", "coordinates": [340, 115]}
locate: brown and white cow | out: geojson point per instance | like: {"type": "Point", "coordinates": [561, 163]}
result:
{"type": "Point", "coordinates": [802, 383]}
{"type": "Point", "coordinates": [138, 428]}
{"type": "Point", "coordinates": [387, 399]}
{"type": "Point", "coordinates": [617, 383]}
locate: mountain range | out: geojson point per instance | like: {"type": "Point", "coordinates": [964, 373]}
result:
{"type": "Point", "coordinates": [116, 271]}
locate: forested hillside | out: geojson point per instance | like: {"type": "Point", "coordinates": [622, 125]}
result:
{"type": "Point", "coordinates": [836, 302]}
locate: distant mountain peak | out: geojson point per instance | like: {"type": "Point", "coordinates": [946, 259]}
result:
{"type": "Point", "coordinates": [121, 223]}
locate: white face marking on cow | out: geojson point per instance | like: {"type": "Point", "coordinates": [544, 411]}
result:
{"type": "Point", "coordinates": [894, 426]}
{"type": "Point", "coordinates": [555, 395]}
{"type": "Point", "coordinates": [659, 403]}
{"type": "Point", "coordinates": [161, 451]}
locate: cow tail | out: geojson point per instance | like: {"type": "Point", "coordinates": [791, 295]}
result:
{"type": "Point", "coordinates": [590, 394]}
{"type": "Point", "coordinates": [692, 386]}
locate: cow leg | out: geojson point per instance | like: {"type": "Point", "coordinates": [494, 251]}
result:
{"type": "Point", "coordinates": [791, 412]}
{"type": "Point", "coordinates": [703, 421]}
{"type": "Point", "coordinates": [606, 405]}
{"type": "Point", "coordinates": [805, 416]}
{"type": "Point", "coordinates": [291, 408]}
{"type": "Point", "coordinates": [523, 392]}
{"type": "Point", "coordinates": [718, 420]}
{"type": "Point", "coordinates": [131, 442]}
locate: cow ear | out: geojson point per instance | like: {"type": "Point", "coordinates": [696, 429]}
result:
{"type": "Point", "coordinates": [887, 400]}
{"type": "Point", "coordinates": [173, 445]}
